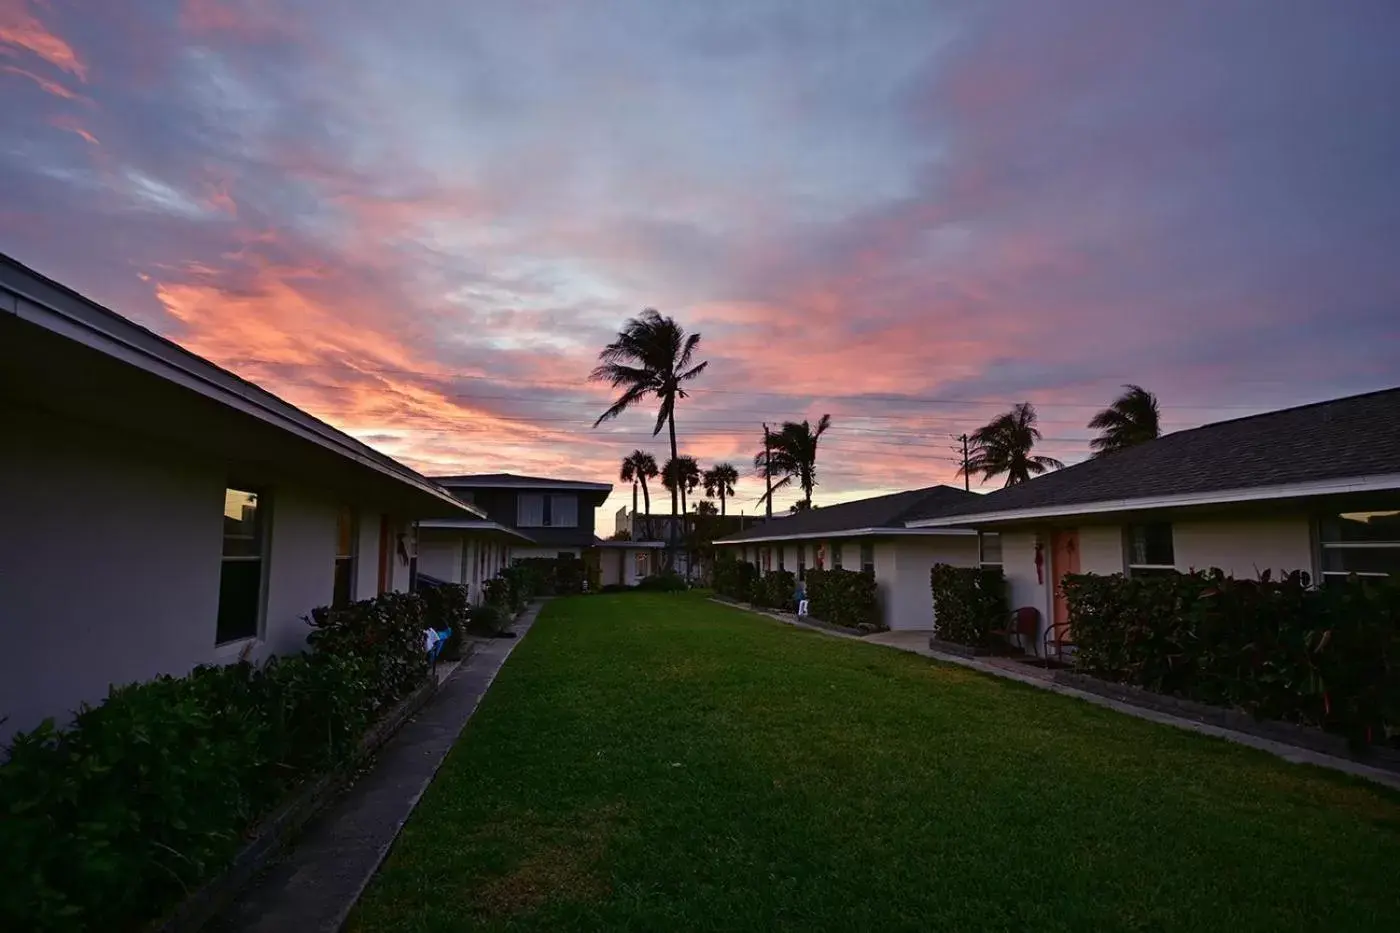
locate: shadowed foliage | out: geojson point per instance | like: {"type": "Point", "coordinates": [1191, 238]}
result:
{"type": "Point", "coordinates": [791, 457]}
{"type": "Point", "coordinates": [1003, 446]}
{"type": "Point", "coordinates": [1132, 419]}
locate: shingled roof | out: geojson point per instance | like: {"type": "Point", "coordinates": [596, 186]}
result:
{"type": "Point", "coordinates": [888, 512]}
{"type": "Point", "coordinates": [1345, 438]}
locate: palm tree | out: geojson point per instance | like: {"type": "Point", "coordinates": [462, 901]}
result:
{"type": "Point", "coordinates": [638, 467]}
{"type": "Point", "coordinates": [791, 455]}
{"type": "Point", "coordinates": [1132, 419]}
{"type": "Point", "coordinates": [1004, 444]}
{"type": "Point", "coordinates": [719, 481]}
{"type": "Point", "coordinates": [681, 474]}
{"type": "Point", "coordinates": [651, 358]}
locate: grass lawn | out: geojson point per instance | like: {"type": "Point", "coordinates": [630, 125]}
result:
{"type": "Point", "coordinates": [655, 762]}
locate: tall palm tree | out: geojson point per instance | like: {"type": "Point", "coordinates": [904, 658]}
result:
{"type": "Point", "coordinates": [638, 467]}
{"type": "Point", "coordinates": [1132, 419]}
{"type": "Point", "coordinates": [681, 474]}
{"type": "Point", "coordinates": [791, 456]}
{"type": "Point", "coordinates": [719, 481]}
{"type": "Point", "coordinates": [651, 357]}
{"type": "Point", "coordinates": [1003, 446]}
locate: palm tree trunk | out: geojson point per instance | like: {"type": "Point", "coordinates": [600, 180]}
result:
{"type": "Point", "coordinates": [634, 498]}
{"type": "Point", "coordinates": [671, 424]}
{"type": "Point", "coordinates": [721, 502]}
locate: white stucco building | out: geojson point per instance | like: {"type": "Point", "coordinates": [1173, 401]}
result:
{"type": "Point", "coordinates": [1314, 488]}
{"type": "Point", "coordinates": [868, 534]}
{"type": "Point", "coordinates": [159, 512]}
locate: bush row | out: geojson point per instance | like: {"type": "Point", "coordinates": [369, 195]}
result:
{"type": "Point", "coordinates": [776, 589]}
{"type": "Point", "coordinates": [735, 578]}
{"type": "Point", "coordinates": [111, 820]}
{"type": "Point", "coordinates": [843, 597]}
{"type": "Point", "coordinates": [1324, 656]}
{"type": "Point", "coordinates": [968, 603]}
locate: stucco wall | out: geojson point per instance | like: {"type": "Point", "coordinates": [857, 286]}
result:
{"type": "Point", "coordinates": [1244, 547]}
{"type": "Point", "coordinates": [912, 604]}
{"type": "Point", "coordinates": [1018, 563]}
{"type": "Point", "coordinates": [110, 564]}
{"type": "Point", "coordinates": [1100, 549]}
{"type": "Point", "coordinates": [440, 555]}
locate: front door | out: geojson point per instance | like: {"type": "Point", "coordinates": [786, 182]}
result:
{"type": "Point", "coordinates": [1064, 558]}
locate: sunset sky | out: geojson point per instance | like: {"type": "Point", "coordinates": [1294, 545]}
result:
{"type": "Point", "coordinates": [421, 220]}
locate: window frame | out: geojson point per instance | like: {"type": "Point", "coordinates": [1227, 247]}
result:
{"type": "Point", "coordinates": [351, 560]}
{"type": "Point", "coordinates": [836, 556]}
{"type": "Point", "coordinates": [263, 538]}
{"type": "Point", "coordinates": [1147, 569]}
{"type": "Point", "coordinates": [1324, 546]}
{"type": "Point", "coordinates": [867, 547]}
{"type": "Point", "coordinates": [801, 561]}
{"type": "Point", "coordinates": [982, 550]}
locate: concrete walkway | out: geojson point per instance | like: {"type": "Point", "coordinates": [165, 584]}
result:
{"type": "Point", "coordinates": [317, 883]}
{"type": "Point", "coordinates": [916, 642]}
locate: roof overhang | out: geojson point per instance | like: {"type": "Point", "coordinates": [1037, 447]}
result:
{"type": "Point", "coordinates": [466, 524]}
{"type": "Point", "coordinates": [466, 482]}
{"type": "Point", "coordinates": [30, 297]}
{"type": "Point", "coordinates": [634, 545]}
{"type": "Point", "coordinates": [1337, 487]}
{"type": "Point", "coordinates": [853, 533]}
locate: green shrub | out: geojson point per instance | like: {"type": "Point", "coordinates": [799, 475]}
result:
{"type": "Point", "coordinates": [488, 619]}
{"type": "Point", "coordinates": [446, 607]}
{"type": "Point", "coordinates": [667, 581]}
{"type": "Point", "coordinates": [110, 821]}
{"type": "Point", "coordinates": [497, 593]}
{"type": "Point", "coordinates": [776, 589]}
{"type": "Point", "coordinates": [735, 578]}
{"type": "Point", "coordinates": [968, 603]}
{"type": "Point", "coordinates": [557, 576]}
{"type": "Point", "coordinates": [1280, 649]}
{"type": "Point", "coordinates": [843, 597]}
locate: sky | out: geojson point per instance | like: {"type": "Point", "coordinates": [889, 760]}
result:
{"type": "Point", "coordinates": [421, 221]}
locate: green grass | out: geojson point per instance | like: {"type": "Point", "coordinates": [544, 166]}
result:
{"type": "Point", "coordinates": [664, 763]}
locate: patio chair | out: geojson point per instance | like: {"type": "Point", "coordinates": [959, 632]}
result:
{"type": "Point", "coordinates": [1024, 623]}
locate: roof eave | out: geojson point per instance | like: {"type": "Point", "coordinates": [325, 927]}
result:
{"type": "Point", "coordinates": [1375, 483]}
{"type": "Point", "coordinates": [872, 532]}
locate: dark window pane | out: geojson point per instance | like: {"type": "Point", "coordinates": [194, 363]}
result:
{"type": "Point", "coordinates": [1362, 526]}
{"type": "Point", "coordinates": [1150, 544]}
{"type": "Point", "coordinates": [836, 555]}
{"type": "Point", "coordinates": [240, 589]}
{"type": "Point", "coordinates": [867, 556]}
{"type": "Point", "coordinates": [1361, 560]}
{"type": "Point", "coordinates": [344, 582]}
{"type": "Point", "coordinates": [991, 547]}
{"type": "Point", "coordinates": [242, 524]}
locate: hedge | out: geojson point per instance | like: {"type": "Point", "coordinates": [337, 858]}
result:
{"type": "Point", "coordinates": [968, 604]}
{"type": "Point", "coordinates": [1279, 648]}
{"type": "Point", "coordinates": [110, 821]}
{"type": "Point", "coordinates": [447, 606]}
{"type": "Point", "coordinates": [735, 578]}
{"type": "Point", "coordinates": [776, 589]}
{"type": "Point", "coordinates": [560, 576]}
{"type": "Point", "coordinates": [843, 597]}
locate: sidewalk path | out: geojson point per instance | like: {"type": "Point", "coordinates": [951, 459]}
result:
{"type": "Point", "coordinates": [319, 880]}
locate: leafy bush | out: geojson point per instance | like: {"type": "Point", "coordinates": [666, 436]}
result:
{"type": "Point", "coordinates": [488, 619]}
{"type": "Point", "coordinates": [446, 607]}
{"type": "Point", "coordinates": [497, 593]}
{"type": "Point", "coordinates": [776, 589]}
{"type": "Point", "coordinates": [843, 597]}
{"type": "Point", "coordinates": [667, 581]}
{"type": "Point", "coordinates": [1280, 649]}
{"type": "Point", "coordinates": [735, 578]}
{"type": "Point", "coordinates": [112, 820]}
{"type": "Point", "coordinates": [968, 603]}
{"type": "Point", "coordinates": [558, 576]}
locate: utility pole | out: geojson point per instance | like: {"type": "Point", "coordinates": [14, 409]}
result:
{"type": "Point", "coordinates": [967, 480]}
{"type": "Point", "coordinates": [768, 468]}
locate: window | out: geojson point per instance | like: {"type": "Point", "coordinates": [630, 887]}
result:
{"type": "Point", "coordinates": [801, 561]}
{"type": "Point", "coordinates": [989, 548]}
{"type": "Point", "coordinates": [780, 558]}
{"type": "Point", "coordinates": [867, 557]}
{"type": "Point", "coordinates": [836, 555]}
{"type": "Point", "coordinates": [765, 559]}
{"type": "Point", "coordinates": [1363, 543]}
{"type": "Point", "coordinates": [536, 510]}
{"type": "Point", "coordinates": [345, 528]}
{"type": "Point", "coordinates": [642, 558]}
{"type": "Point", "coordinates": [241, 576]}
{"type": "Point", "coordinates": [1150, 550]}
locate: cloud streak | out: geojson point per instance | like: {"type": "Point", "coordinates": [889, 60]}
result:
{"type": "Point", "coordinates": [423, 227]}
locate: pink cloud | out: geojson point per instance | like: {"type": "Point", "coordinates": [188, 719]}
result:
{"type": "Point", "coordinates": [21, 30]}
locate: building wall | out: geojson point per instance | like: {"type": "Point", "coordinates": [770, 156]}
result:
{"type": "Point", "coordinates": [440, 554]}
{"type": "Point", "coordinates": [111, 560]}
{"type": "Point", "coordinates": [1100, 549]}
{"type": "Point", "coordinates": [367, 555]}
{"type": "Point", "coordinates": [520, 553]}
{"type": "Point", "coordinates": [887, 582]}
{"type": "Point", "coordinates": [912, 606]}
{"type": "Point", "coordinates": [1018, 564]}
{"type": "Point", "coordinates": [1244, 547]}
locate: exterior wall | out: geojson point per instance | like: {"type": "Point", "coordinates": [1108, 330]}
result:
{"type": "Point", "coordinates": [1244, 547]}
{"type": "Point", "coordinates": [886, 580]}
{"type": "Point", "coordinates": [520, 553]}
{"type": "Point", "coordinates": [113, 576]}
{"type": "Point", "coordinates": [440, 555]}
{"type": "Point", "coordinates": [1101, 549]}
{"type": "Point", "coordinates": [1018, 563]}
{"type": "Point", "coordinates": [911, 605]}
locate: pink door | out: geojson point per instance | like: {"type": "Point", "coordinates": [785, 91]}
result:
{"type": "Point", "coordinates": [1064, 558]}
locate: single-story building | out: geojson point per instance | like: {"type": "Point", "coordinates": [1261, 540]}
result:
{"type": "Point", "coordinates": [467, 550]}
{"type": "Point", "coordinates": [160, 512]}
{"type": "Point", "coordinates": [868, 534]}
{"type": "Point", "coordinates": [1314, 488]}
{"type": "Point", "coordinates": [627, 563]}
